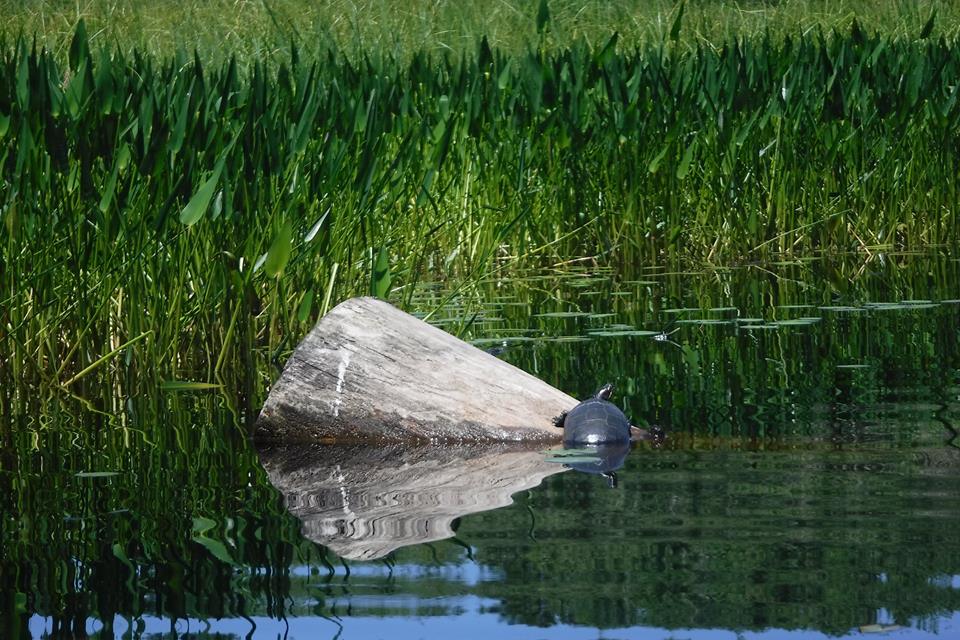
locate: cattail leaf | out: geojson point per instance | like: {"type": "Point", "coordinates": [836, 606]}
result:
{"type": "Point", "coordinates": [423, 195]}
{"type": "Point", "coordinates": [677, 22]}
{"type": "Point", "coordinates": [543, 16]}
{"type": "Point", "coordinates": [279, 253]}
{"type": "Point", "coordinates": [120, 554]}
{"type": "Point", "coordinates": [103, 83]}
{"type": "Point", "coordinates": [180, 126]}
{"type": "Point", "coordinates": [23, 79]}
{"type": "Point", "coordinates": [484, 53]}
{"type": "Point", "coordinates": [25, 146]}
{"type": "Point", "coordinates": [503, 78]}
{"type": "Point", "coordinates": [202, 524]}
{"type": "Point", "coordinates": [380, 275]}
{"type": "Point", "coordinates": [216, 548]}
{"type": "Point", "coordinates": [915, 80]}
{"type": "Point", "coordinates": [123, 157]}
{"type": "Point", "coordinates": [10, 219]}
{"type": "Point", "coordinates": [608, 53]}
{"type": "Point", "coordinates": [928, 26]}
{"type": "Point", "coordinates": [200, 201]}
{"type": "Point", "coordinates": [654, 165]}
{"type": "Point", "coordinates": [110, 187]}
{"type": "Point", "coordinates": [684, 167]}
{"type": "Point", "coordinates": [188, 385]}
{"type": "Point", "coordinates": [96, 474]}
{"type": "Point", "coordinates": [217, 205]}
{"type": "Point", "coordinates": [857, 34]}
{"type": "Point", "coordinates": [303, 311]}
{"type": "Point", "coordinates": [311, 234]}
{"type": "Point", "coordinates": [79, 48]}
{"type": "Point", "coordinates": [305, 125]}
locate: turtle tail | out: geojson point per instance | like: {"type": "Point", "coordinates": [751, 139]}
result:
{"type": "Point", "coordinates": [559, 420]}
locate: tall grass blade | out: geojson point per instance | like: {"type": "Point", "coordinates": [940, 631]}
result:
{"type": "Point", "coordinates": [279, 254]}
{"type": "Point", "coordinates": [104, 359]}
{"type": "Point", "coordinates": [380, 275]}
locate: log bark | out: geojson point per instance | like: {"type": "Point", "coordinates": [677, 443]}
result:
{"type": "Point", "coordinates": [364, 502]}
{"type": "Point", "coordinates": [369, 372]}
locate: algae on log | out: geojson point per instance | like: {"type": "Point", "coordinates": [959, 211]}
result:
{"type": "Point", "coordinates": [365, 502]}
{"type": "Point", "coordinates": [369, 372]}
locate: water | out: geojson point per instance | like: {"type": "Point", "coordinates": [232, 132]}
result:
{"type": "Point", "coordinates": [807, 488]}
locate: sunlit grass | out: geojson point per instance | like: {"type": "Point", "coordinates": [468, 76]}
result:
{"type": "Point", "coordinates": [259, 29]}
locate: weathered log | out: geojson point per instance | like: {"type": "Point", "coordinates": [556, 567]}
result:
{"type": "Point", "coordinates": [364, 502]}
{"type": "Point", "coordinates": [370, 372]}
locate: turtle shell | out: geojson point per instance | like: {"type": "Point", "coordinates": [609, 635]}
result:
{"type": "Point", "coordinates": [594, 421]}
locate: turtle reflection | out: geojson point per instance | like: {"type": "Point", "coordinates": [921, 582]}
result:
{"type": "Point", "coordinates": [599, 459]}
{"type": "Point", "coordinates": [604, 458]}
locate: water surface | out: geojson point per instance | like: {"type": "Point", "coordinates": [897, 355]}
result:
{"type": "Point", "coordinates": [807, 488]}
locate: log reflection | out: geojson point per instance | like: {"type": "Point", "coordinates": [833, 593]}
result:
{"type": "Point", "coordinates": [365, 501]}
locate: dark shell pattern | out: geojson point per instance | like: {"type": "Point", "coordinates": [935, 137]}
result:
{"type": "Point", "coordinates": [595, 421]}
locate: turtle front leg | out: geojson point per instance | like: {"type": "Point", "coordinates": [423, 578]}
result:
{"type": "Point", "coordinates": [611, 479]}
{"type": "Point", "coordinates": [559, 420]}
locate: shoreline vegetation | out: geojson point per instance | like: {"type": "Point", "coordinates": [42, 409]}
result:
{"type": "Point", "coordinates": [199, 206]}
{"type": "Point", "coordinates": [256, 30]}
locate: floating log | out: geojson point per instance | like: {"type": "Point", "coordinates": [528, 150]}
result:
{"type": "Point", "coordinates": [364, 502]}
{"type": "Point", "coordinates": [369, 372]}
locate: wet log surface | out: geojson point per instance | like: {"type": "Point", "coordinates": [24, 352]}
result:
{"type": "Point", "coordinates": [364, 502]}
{"type": "Point", "coordinates": [369, 372]}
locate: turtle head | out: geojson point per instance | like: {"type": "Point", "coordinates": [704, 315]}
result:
{"type": "Point", "coordinates": [605, 391]}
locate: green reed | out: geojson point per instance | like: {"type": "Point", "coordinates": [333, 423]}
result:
{"type": "Point", "coordinates": [803, 350]}
{"type": "Point", "coordinates": [260, 29]}
{"type": "Point", "coordinates": [205, 215]}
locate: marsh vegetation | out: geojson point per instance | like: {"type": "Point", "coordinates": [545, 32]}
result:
{"type": "Point", "coordinates": [770, 187]}
{"type": "Point", "coordinates": [208, 211]}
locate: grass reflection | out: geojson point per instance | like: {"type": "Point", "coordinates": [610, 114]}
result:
{"type": "Point", "coordinates": [808, 481]}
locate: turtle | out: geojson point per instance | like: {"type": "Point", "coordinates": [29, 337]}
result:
{"type": "Point", "coordinates": [595, 420]}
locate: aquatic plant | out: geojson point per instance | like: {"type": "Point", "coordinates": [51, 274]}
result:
{"type": "Point", "coordinates": [206, 214]}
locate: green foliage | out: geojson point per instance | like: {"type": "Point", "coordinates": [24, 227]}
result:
{"type": "Point", "coordinates": [279, 253]}
{"type": "Point", "coordinates": [677, 22]}
{"type": "Point", "coordinates": [543, 16]}
{"type": "Point", "coordinates": [819, 142]}
{"type": "Point", "coordinates": [380, 275]}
